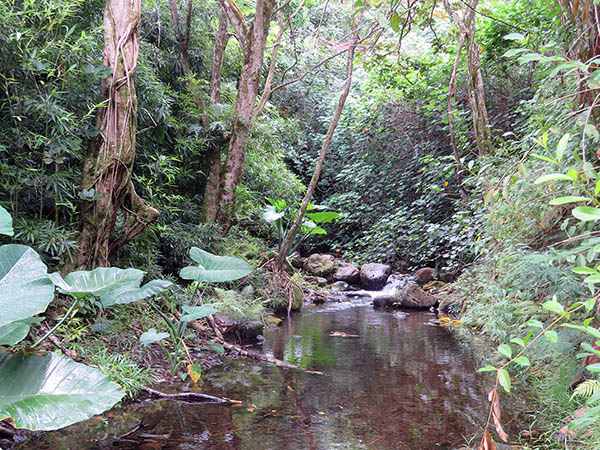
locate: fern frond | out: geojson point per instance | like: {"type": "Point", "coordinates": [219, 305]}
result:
{"type": "Point", "coordinates": [587, 389]}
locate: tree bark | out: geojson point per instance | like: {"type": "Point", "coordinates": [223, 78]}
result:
{"type": "Point", "coordinates": [289, 238]}
{"type": "Point", "coordinates": [183, 37]}
{"type": "Point", "coordinates": [213, 180]}
{"type": "Point", "coordinates": [109, 162]}
{"type": "Point", "coordinates": [475, 88]}
{"type": "Point", "coordinates": [451, 95]}
{"type": "Point", "coordinates": [253, 43]}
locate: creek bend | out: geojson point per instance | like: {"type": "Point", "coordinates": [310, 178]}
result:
{"type": "Point", "coordinates": [400, 384]}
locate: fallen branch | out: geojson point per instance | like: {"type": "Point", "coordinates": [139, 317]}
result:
{"type": "Point", "coordinates": [265, 358]}
{"type": "Point", "coordinates": [188, 396]}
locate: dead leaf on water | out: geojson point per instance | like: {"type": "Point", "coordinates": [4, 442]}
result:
{"type": "Point", "coordinates": [342, 334]}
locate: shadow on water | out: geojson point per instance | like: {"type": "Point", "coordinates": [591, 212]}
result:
{"type": "Point", "coordinates": [400, 384]}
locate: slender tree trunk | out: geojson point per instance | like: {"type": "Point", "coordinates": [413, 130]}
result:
{"type": "Point", "coordinates": [213, 181]}
{"type": "Point", "coordinates": [290, 236]}
{"type": "Point", "coordinates": [182, 36]}
{"type": "Point", "coordinates": [451, 95]}
{"type": "Point", "coordinates": [481, 124]}
{"type": "Point", "coordinates": [108, 165]}
{"type": "Point", "coordinates": [475, 88]}
{"type": "Point", "coordinates": [253, 43]}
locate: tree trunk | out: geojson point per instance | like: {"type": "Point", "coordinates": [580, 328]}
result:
{"type": "Point", "coordinates": [481, 124]}
{"type": "Point", "coordinates": [183, 37]}
{"type": "Point", "coordinates": [451, 95]}
{"type": "Point", "coordinates": [108, 164]}
{"type": "Point", "coordinates": [253, 43]}
{"type": "Point", "coordinates": [475, 88]}
{"type": "Point", "coordinates": [213, 181]}
{"type": "Point", "coordinates": [289, 238]}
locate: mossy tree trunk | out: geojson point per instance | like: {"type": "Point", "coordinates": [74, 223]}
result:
{"type": "Point", "coordinates": [109, 162]}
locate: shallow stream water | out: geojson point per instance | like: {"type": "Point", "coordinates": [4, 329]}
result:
{"type": "Point", "coordinates": [400, 384]}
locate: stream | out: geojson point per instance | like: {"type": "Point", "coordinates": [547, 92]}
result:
{"type": "Point", "coordinates": [399, 384]}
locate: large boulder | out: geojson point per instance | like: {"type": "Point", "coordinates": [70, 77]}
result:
{"type": "Point", "coordinates": [412, 296]}
{"type": "Point", "coordinates": [348, 273]}
{"type": "Point", "coordinates": [374, 275]}
{"type": "Point", "coordinates": [320, 265]}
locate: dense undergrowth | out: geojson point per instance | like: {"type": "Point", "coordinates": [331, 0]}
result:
{"type": "Point", "coordinates": [390, 173]}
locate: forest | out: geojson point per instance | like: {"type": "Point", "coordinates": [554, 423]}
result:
{"type": "Point", "coordinates": [300, 224]}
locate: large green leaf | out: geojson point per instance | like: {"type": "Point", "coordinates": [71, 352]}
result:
{"type": "Point", "coordinates": [15, 332]}
{"type": "Point", "coordinates": [25, 288]}
{"type": "Point", "coordinates": [323, 216]}
{"type": "Point", "coordinates": [50, 391]}
{"type": "Point", "coordinates": [586, 213]}
{"type": "Point", "coordinates": [197, 312]}
{"type": "Point", "coordinates": [214, 269]}
{"type": "Point", "coordinates": [98, 281]}
{"type": "Point", "coordinates": [151, 336]}
{"type": "Point", "coordinates": [130, 294]}
{"type": "Point", "coordinates": [5, 222]}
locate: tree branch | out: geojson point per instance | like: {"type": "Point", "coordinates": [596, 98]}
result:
{"type": "Point", "coordinates": [237, 21]}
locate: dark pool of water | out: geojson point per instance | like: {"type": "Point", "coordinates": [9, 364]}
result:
{"type": "Point", "coordinates": [401, 384]}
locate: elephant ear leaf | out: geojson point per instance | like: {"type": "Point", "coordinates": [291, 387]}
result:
{"type": "Point", "coordinates": [129, 294]}
{"type": "Point", "coordinates": [50, 391]}
{"type": "Point", "coordinates": [214, 269]}
{"type": "Point", "coordinates": [25, 288]}
{"type": "Point", "coordinates": [6, 223]}
{"type": "Point", "coordinates": [98, 281]}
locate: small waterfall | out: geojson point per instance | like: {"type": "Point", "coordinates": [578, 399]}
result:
{"type": "Point", "coordinates": [392, 286]}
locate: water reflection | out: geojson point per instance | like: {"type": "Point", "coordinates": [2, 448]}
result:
{"type": "Point", "coordinates": [400, 384]}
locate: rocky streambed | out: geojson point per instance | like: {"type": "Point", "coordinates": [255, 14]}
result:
{"type": "Point", "coordinates": [374, 378]}
{"type": "Point", "coordinates": [336, 280]}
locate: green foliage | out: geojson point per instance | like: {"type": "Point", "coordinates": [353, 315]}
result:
{"type": "Point", "coordinates": [282, 216]}
{"type": "Point", "coordinates": [214, 269]}
{"type": "Point", "coordinates": [5, 223]}
{"type": "Point", "coordinates": [587, 389]}
{"type": "Point", "coordinates": [25, 288]}
{"type": "Point", "coordinates": [50, 391]}
{"type": "Point", "coordinates": [236, 305]}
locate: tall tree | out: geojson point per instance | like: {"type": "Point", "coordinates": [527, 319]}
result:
{"type": "Point", "coordinates": [252, 39]}
{"type": "Point", "coordinates": [475, 88]}
{"type": "Point", "coordinates": [109, 162]}
{"type": "Point", "coordinates": [291, 235]}
{"type": "Point", "coordinates": [213, 181]}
